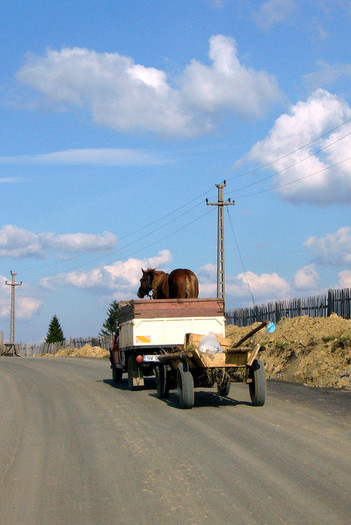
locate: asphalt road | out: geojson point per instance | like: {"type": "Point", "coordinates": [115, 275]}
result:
{"type": "Point", "coordinates": [75, 449]}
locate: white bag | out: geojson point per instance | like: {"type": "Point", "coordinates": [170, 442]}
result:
{"type": "Point", "coordinates": [209, 344]}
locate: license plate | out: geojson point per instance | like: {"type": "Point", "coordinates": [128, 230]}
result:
{"type": "Point", "coordinates": [151, 359]}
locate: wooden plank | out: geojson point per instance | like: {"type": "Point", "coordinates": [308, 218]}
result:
{"type": "Point", "coordinates": [165, 308]}
{"type": "Point", "coordinates": [193, 340]}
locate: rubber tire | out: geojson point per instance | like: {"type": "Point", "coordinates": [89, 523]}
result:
{"type": "Point", "coordinates": [224, 389]}
{"type": "Point", "coordinates": [161, 381]}
{"type": "Point", "coordinates": [117, 374]}
{"type": "Point", "coordinates": [185, 384]}
{"type": "Point", "coordinates": [131, 367]}
{"type": "Point", "coordinates": [258, 385]}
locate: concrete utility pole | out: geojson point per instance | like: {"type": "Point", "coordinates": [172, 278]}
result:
{"type": "Point", "coordinates": [13, 285]}
{"type": "Point", "coordinates": [220, 240]}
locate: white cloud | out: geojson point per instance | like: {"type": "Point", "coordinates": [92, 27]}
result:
{"type": "Point", "coordinates": [333, 249]}
{"type": "Point", "coordinates": [127, 96]}
{"type": "Point", "coordinates": [269, 286]}
{"type": "Point", "coordinates": [264, 287]}
{"type": "Point", "coordinates": [18, 242]}
{"type": "Point", "coordinates": [326, 74]}
{"type": "Point", "coordinates": [272, 12]}
{"type": "Point", "coordinates": [95, 157]}
{"type": "Point", "coordinates": [303, 172]}
{"type": "Point", "coordinates": [227, 84]}
{"type": "Point", "coordinates": [306, 278]}
{"type": "Point", "coordinates": [345, 279]}
{"type": "Point", "coordinates": [10, 180]}
{"type": "Point", "coordinates": [120, 278]}
{"type": "Point", "coordinates": [26, 306]}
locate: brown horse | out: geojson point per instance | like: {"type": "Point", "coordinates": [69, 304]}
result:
{"type": "Point", "coordinates": [180, 283]}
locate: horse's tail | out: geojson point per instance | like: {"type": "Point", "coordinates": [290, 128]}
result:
{"type": "Point", "coordinates": [192, 285]}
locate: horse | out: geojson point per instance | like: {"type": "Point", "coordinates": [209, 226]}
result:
{"type": "Point", "coordinates": [179, 284]}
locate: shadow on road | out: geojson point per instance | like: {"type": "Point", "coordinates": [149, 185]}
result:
{"type": "Point", "coordinates": [203, 398]}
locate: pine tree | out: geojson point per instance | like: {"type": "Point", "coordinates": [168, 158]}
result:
{"type": "Point", "coordinates": [55, 333]}
{"type": "Point", "coordinates": [111, 322]}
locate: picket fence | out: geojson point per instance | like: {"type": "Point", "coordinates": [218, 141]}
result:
{"type": "Point", "coordinates": [335, 301]}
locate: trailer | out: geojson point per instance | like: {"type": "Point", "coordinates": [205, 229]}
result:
{"type": "Point", "coordinates": [162, 337]}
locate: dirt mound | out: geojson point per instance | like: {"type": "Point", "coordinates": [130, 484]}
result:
{"type": "Point", "coordinates": [313, 351]}
{"type": "Point", "coordinates": [85, 351]}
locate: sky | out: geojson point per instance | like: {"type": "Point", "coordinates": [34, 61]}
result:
{"type": "Point", "coordinates": [117, 121]}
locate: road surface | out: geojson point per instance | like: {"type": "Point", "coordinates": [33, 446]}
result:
{"type": "Point", "coordinates": [75, 449]}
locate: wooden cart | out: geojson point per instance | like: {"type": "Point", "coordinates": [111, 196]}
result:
{"type": "Point", "coordinates": [189, 368]}
{"type": "Point", "coordinates": [161, 337]}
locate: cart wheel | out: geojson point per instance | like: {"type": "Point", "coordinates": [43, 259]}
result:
{"type": "Point", "coordinates": [161, 381]}
{"type": "Point", "coordinates": [258, 385]}
{"type": "Point", "coordinates": [224, 388]}
{"type": "Point", "coordinates": [185, 383]}
{"type": "Point", "coordinates": [117, 374]}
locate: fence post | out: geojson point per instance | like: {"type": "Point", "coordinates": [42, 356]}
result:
{"type": "Point", "coordinates": [330, 303]}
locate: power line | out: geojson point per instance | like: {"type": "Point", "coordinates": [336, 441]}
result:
{"type": "Point", "coordinates": [296, 180]}
{"type": "Point", "coordinates": [291, 165]}
{"type": "Point", "coordinates": [264, 166]}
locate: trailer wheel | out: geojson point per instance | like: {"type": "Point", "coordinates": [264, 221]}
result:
{"type": "Point", "coordinates": [258, 385]}
{"type": "Point", "coordinates": [161, 381]}
{"type": "Point", "coordinates": [117, 374]}
{"type": "Point", "coordinates": [185, 383]}
{"type": "Point", "coordinates": [224, 388]}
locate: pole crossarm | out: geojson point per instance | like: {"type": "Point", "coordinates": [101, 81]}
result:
{"type": "Point", "coordinates": [220, 239]}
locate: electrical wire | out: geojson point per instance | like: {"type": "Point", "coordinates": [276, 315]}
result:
{"type": "Point", "coordinates": [241, 259]}
{"type": "Point", "coordinates": [145, 227]}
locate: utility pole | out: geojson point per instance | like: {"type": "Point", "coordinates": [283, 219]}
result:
{"type": "Point", "coordinates": [220, 239]}
{"type": "Point", "coordinates": [13, 285]}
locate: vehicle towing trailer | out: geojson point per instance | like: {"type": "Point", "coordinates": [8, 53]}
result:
{"type": "Point", "coordinates": [163, 338]}
{"type": "Point", "coordinates": [154, 327]}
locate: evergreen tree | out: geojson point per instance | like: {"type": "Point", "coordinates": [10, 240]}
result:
{"type": "Point", "coordinates": [111, 322]}
{"type": "Point", "coordinates": [55, 333]}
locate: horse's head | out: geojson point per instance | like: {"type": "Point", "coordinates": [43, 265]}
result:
{"type": "Point", "coordinates": [145, 283]}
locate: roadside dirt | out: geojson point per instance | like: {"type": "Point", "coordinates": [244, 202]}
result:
{"type": "Point", "coordinates": [312, 351]}
{"type": "Point", "coordinates": [85, 351]}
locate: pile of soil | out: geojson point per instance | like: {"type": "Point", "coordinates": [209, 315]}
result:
{"type": "Point", "coordinates": [313, 351]}
{"type": "Point", "coordinates": [85, 351]}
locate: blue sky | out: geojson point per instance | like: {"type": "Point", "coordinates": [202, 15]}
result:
{"type": "Point", "coordinates": [119, 118]}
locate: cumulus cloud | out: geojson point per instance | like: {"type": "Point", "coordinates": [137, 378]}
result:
{"type": "Point", "coordinates": [345, 279]}
{"type": "Point", "coordinates": [264, 286]}
{"type": "Point", "coordinates": [309, 170]}
{"type": "Point", "coordinates": [333, 249]}
{"type": "Point", "coordinates": [18, 242]}
{"type": "Point", "coordinates": [120, 278]}
{"type": "Point", "coordinates": [95, 157]}
{"type": "Point", "coordinates": [227, 84]}
{"type": "Point", "coordinates": [126, 96]}
{"type": "Point", "coordinates": [26, 306]}
{"type": "Point", "coordinates": [273, 12]}
{"type": "Point", "coordinates": [306, 278]}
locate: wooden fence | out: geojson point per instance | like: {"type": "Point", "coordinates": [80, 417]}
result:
{"type": "Point", "coordinates": [337, 301]}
